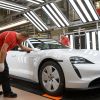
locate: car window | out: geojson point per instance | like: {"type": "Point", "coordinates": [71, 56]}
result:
{"type": "Point", "coordinates": [47, 44]}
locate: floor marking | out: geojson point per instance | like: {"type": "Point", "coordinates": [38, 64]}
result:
{"type": "Point", "coordinates": [52, 97]}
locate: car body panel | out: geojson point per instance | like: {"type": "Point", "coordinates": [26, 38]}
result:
{"type": "Point", "coordinates": [26, 65]}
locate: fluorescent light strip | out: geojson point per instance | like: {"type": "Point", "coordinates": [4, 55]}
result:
{"type": "Point", "coordinates": [39, 20]}
{"type": "Point", "coordinates": [13, 25]}
{"type": "Point", "coordinates": [32, 22]}
{"type": "Point", "coordinates": [13, 8]}
{"type": "Point", "coordinates": [51, 10]}
{"type": "Point", "coordinates": [12, 4]}
{"type": "Point", "coordinates": [60, 14]}
{"type": "Point", "coordinates": [88, 41]}
{"type": "Point", "coordinates": [77, 10]}
{"type": "Point", "coordinates": [40, 1]}
{"type": "Point", "coordinates": [93, 40]}
{"type": "Point", "coordinates": [51, 16]}
{"type": "Point", "coordinates": [9, 9]}
{"type": "Point", "coordinates": [99, 39]}
{"type": "Point", "coordinates": [35, 21]}
{"type": "Point", "coordinates": [84, 10]}
{"type": "Point", "coordinates": [91, 9]}
{"type": "Point", "coordinates": [33, 1]}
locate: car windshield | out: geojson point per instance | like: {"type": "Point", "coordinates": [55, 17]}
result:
{"type": "Point", "coordinates": [47, 44]}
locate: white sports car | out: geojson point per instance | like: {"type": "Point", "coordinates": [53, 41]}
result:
{"type": "Point", "coordinates": [56, 67]}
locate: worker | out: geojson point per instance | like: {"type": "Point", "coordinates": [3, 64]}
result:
{"type": "Point", "coordinates": [8, 40]}
{"type": "Point", "coordinates": [64, 40]}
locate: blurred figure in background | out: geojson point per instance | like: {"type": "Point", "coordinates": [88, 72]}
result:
{"type": "Point", "coordinates": [64, 40]}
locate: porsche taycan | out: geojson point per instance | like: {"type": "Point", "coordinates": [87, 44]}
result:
{"type": "Point", "coordinates": [55, 66]}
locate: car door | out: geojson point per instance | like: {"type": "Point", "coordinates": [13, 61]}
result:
{"type": "Point", "coordinates": [20, 63]}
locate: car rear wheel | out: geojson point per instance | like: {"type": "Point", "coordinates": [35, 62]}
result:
{"type": "Point", "coordinates": [51, 78]}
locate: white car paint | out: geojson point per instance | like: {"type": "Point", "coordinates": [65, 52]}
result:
{"type": "Point", "coordinates": [26, 65]}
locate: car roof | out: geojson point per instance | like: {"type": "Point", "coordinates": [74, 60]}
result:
{"type": "Point", "coordinates": [41, 39]}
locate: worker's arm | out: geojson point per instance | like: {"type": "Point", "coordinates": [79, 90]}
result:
{"type": "Point", "coordinates": [3, 53]}
{"type": "Point", "coordinates": [25, 48]}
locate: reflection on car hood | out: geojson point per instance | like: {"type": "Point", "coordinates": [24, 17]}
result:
{"type": "Point", "coordinates": [92, 55]}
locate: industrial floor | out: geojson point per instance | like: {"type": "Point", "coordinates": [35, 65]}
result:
{"type": "Point", "coordinates": [31, 91]}
{"type": "Point", "coordinates": [23, 95]}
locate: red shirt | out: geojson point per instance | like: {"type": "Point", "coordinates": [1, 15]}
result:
{"type": "Point", "coordinates": [9, 37]}
{"type": "Point", "coordinates": [65, 41]}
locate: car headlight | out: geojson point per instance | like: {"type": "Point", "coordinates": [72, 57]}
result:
{"type": "Point", "coordinates": [79, 60]}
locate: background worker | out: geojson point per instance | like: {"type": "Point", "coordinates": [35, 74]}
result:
{"type": "Point", "coordinates": [64, 40]}
{"type": "Point", "coordinates": [8, 40]}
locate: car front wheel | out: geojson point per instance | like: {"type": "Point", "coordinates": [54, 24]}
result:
{"type": "Point", "coordinates": [51, 78]}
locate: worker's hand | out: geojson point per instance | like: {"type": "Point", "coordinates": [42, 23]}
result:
{"type": "Point", "coordinates": [35, 49]}
{"type": "Point", "coordinates": [2, 67]}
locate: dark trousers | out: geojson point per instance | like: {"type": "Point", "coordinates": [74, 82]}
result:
{"type": "Point", "coordinates": [4, 79]}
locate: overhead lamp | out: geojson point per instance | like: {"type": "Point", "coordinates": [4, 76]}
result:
{"type": "Point", "coordinates": [60, 14]}
{"type": "Point", "coordinates": [49, 14]}
{"type": "Point", "coordinates": [13, 25]}
{"type": "Point", "coordinates": [55, 14]}
{"type": "Point", "coordinates": [93, 12]}
{"type": "Point", "coordinates": [36, 21]}
{"type": "Point", "coordinates": [77, 10]}
{"type": "Point", "coordinates": [39, 20]}
{"type": "Point", "coordinates": [85, 10]}
{"type": "Point", "coordinates": [33, 1]}
{"type": "Point", "coordinates": [36, 1]}
{"type": "Point", "coordinates": [58, 19]}
{"type": "Point", "coordinates": [32, 22]}
{"type": "Point", "coordinates": [11, 6]}
{"type": "Point", "coordinates": [40, 1]}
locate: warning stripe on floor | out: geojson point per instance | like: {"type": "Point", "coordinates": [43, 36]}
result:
{"type": "Point", "coordinates": [52, 97]}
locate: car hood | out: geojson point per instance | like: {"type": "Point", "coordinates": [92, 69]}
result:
{"type": "Point", "coordinates": [91, 55]}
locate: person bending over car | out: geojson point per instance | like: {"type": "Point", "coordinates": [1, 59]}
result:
{"type": "Point", "coordinates": [8, 40]}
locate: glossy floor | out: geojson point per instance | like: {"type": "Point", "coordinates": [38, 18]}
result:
{"type": "Point", "coordinates": [23, 95]}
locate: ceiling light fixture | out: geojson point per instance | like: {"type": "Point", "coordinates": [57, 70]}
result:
{"type": "Point", "coordinates": [13, 25]}
{"type": "Point", "coordinates": [55, 14]}
{"type": "Point", "coordinates": [32, 22]}
{"type": "Point", "coordinates": [93, 12]}
{"type": "Point", "coordinates": [36, 21]}
{"type": "Point", "coordinates": [33, 1]}
{"type": "Point", "coordinates": [85, 9]}
{"type": "Point", "coordinates": [36, 1]}
{"type": "Point", "coordinates": [10, 8]}
{"type": "Point", "coordinates": [77, 10]}
{"type": "Point", "coordinates": [60, 14]}
{"type": "Point", "coordinates": [48, 13]}
{"type": "Point", "coordinates": [40, 1]}
{"type": "Point", "coordinates": [39, 20]}
{"type": "Point", "coordinates": [12, 4]}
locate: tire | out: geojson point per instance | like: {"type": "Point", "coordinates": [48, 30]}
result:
{"type": "Point", "coordinates": [51, 78]}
